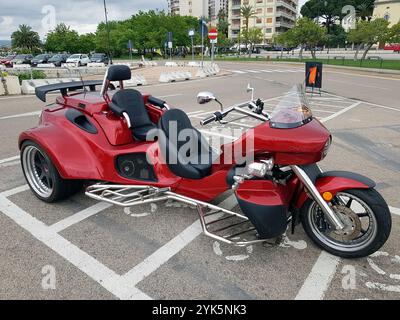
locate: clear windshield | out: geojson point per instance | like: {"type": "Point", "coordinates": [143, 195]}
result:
{"type": "Point", "coordinates": [292, 111]}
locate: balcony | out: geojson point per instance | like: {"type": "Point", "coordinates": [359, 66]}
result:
{"type": "Point", "coordinates": [287, 4]}
{"type": "Point", "coordinates": [284, 24]}
{"type": "Point", "coordinates": [286, 15]}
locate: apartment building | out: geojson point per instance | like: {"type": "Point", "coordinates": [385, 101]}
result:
{"type": "Point", "coordinates": [271, 16]}
{"type": "Point", "coordinates": [195, 8]}
{"type": "Point", "coordinates": [215, 6]}
{"type": "Point", "coordinates": [198, 8]}
{"type": "Point", "coordinates": [388, 9]}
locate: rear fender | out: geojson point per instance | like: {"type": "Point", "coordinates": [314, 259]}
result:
{"type": "Point", "coordinates": [337, 181]}
{"type": "Point", "coordinates": [70, 149]}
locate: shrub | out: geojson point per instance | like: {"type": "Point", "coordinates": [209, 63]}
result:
{"type": "Point", "coordinates": [36, 74]}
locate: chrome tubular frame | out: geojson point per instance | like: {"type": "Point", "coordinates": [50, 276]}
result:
{"type": "Point", "coordinates": [226, 221]}
{"type": "Point", "coordinates": [104, 86]}
{"type": "Point", "coordinates": [326, 209]}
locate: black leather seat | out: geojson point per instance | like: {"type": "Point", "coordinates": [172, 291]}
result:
{"type": "Point", "coordinates": [132, 102]}
{"type": "Point", "coordinates": [186, 151]}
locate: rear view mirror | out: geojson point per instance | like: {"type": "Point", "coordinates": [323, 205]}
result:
{"type": "Point", "coordinates": [205, 97]}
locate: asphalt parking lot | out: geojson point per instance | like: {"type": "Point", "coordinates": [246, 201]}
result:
{"type": "Point", "coordinates": [99, 251]}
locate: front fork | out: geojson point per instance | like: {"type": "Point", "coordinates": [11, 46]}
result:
{"type": "Point", "coordinates": [326, 209]}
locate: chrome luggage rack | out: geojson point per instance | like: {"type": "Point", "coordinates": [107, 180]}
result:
{"type": "Point", "coordinates": [218, 223]}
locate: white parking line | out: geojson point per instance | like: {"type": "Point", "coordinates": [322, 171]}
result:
{"type": "Point", "coordinates": [210, 133]}
{"type": "Point", "coordinates": [313, 103]}
{"type": "Point", "coordinates": [170, 249]}
{"type": "Point", "coordinates": [319, 279]}
{"type": "Point", "coordinates": [9, 159]}
{"type": "Point", "coordinates": [171, 95]}
{"type": "Point", "coordinates": [10, 164]}
{"type": "Point", "coordinates": [237, 71]}
{"type": "Point", "coordinates": [337, 114]}
{"type": "Point", "coordinates": [194, 112]}
{"type": "Point", "coordinates": [383, 107]}
{"type": "Point", "coordinates": [80, 259]}
{"type": "Point", "coordinates": [395, 211]}
{"type": "Point", "coordinates": [78, 217]}
{"type": "Point", "coordinates": [21, 115]}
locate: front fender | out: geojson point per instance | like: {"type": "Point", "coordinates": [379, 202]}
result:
{"type": "Point", "coordinates": [337, 181]}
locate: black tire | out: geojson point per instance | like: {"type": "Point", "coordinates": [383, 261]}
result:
{"type": "Point", "coordinates": [382, 226]}
{"type": "Point", "coordinates": [61, 188]}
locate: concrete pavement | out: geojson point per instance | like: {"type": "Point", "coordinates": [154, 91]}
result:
{"type": "Point", "coordinates": [103, 252]}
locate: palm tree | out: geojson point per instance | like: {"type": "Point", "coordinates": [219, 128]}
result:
{"type": "Point", "coordinates": [365, 10]}
{"type": "Point", "coordinates": [247, 12]}
{"type": "Point", "coordinates": [25, 38]}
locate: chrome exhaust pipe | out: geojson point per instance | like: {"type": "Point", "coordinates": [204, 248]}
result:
{"type": "Point", "coordinates": [326, 209]}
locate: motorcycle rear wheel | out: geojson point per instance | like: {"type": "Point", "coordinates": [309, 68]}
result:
{"type": "Point", "coordinates": [42, 176]}
{"type": "Point", "coordinates": [367, 218]}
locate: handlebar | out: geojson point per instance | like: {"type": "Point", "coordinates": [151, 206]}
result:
{"type": "Point", "coordinates": [218, 116]}
{"type": "Point", "coordinates": [208, 120]}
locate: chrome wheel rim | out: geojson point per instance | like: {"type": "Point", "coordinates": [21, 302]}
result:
{"type": "Point", "coordinates": [366, 224]}
{"type": "Point", "coordinates": [37, 171]}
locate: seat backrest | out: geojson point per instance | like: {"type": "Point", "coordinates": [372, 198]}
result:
{"type": "Point", "coordinates": [132, 101]}
{"type": "Point", "coordinates": [119, 73]}
{"type": "Point", "coordinates": [172, 123]}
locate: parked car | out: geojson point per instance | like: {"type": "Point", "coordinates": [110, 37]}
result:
{"type": "Point", "coordinates": [393, 46]}
{"type": "Point", "coordinates": [280, 48]}
{"type": "Point", "coordinates": [39, 59]}
{"type": "Point", "coordinates": [7, 60]}
{"type": "Point", "coordinates": [99, 58]}
{"type": "Point", "coordinates": [79, 59]}
{"type": "Point", "coordinates": [22, 59]}
{"type": "Point", "coordinates": [59, 59]}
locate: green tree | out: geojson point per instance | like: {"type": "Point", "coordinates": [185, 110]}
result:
{"type": "Point", "coordinates": [62, 39]}
{"type": "Point", "coordinates": [87, 43]}
{"type": "Point", "coordinates": [25, 38]}
{"type": "Point", "coordinates": [254, 36]}
{"type": "Point", "coordinates": [365, 9]}
{"type": "Point", "coordinates": [328, 11]}
{"type": "Point", "coordinates": [307, 33]}
{"type": "Point", "coordinates": [288, 39]}
{"type": "Point", "coordinates": [336, 37]}
{"type": "Point", "coordinates": [368, 33]}
{"type": "Point", "coordinates": [247, 12]}
{"type": "Point", "coordinates": [223, 24]}
{"type": "Point", "coordinates": [395, 33]}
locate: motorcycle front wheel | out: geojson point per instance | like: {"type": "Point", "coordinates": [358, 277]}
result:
{"type": "Point", "coordinates": [367, 222]}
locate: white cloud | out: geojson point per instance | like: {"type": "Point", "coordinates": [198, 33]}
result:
{"type": "Point", "coordinates": [82, 16]}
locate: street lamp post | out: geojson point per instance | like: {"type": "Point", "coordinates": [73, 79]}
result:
{"type": "Point", "coordinates": [108, 32]}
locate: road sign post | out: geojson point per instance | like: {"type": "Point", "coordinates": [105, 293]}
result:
{"type": "Point", "coordinates": [130, 47]}
{"type": "Point", "coordinates": [203, 31]}
{"type": "Point", "coordinates": [213, 36]}
{"type": "Point", "coordinates": [191, 35]}
{"type": "Point", "coordinates": [170, 45]}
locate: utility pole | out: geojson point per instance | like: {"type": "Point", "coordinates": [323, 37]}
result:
{"type": "Point", "coordinates": [108, 32]}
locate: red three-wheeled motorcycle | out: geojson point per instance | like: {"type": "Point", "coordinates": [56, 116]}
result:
{"type": "Point", "coordinates": [130, 149]}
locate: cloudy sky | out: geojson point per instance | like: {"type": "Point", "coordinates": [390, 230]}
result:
{"type": "Point", "coordinates": [82, 16]}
